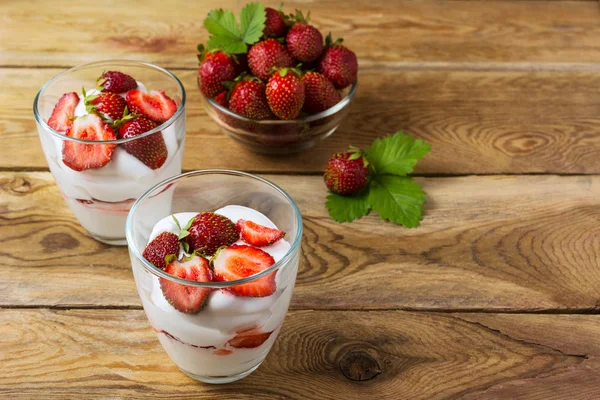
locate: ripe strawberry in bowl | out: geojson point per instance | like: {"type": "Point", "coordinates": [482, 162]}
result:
{"type": "Point", "coordinates": [304, 106]}
{"type": "Point", "coordinates": [107, 143]}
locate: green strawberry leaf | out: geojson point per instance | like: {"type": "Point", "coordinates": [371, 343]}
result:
{"type": "Point", "coordinates": [347, 208]}
{"type": "Point", "coordinates": [397, 199]}
{"type": "Point", "coordinates": [396, 154]}
{"type": "Point", "coordinates": [226, 34]}
{"type": "Point", "coordinates": [252, 19]}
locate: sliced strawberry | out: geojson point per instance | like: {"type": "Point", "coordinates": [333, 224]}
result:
{"type": "Point", "coordinates": [257, 235]}
{"type": "Point", "coordinates": [184, 298]}
{"type": "Point", "coordinates": [108, 105]}
{"type": "Point", "coordinates": [79, 156]}
{"type": "Point", "coordinates": [165, 244]}
{"type": "Point", "coordinates": [151, 150]}
{"type": "Point", "coordinates": [241, 261]}
{"type": "Point", "coordinates": [155, 105]}
{"type": "Point", "coordinates": [249, 339]}
{"type": "Point", "coordinates": [64, 110]}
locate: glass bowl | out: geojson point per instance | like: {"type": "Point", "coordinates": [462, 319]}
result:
{"type": "Point", "coordinates": [278, 136]}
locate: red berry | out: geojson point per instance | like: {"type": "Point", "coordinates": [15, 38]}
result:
{"type": "Point", "coordinates": [249, 99]}
{"type": "Point", "coordinates": [209, 231]}
{"type": "Point", "coordinates": [155, 105]}
{"type": "Point", "coordinates": [151, 150]}
{"type": "Point", "coordinates": [320, 93]}
{"type": "Point", "coordinates": [61, 118]}
{"type": "Point", "coordinates": [116, 82]}
{"type": "Point", "coordinates": [274, 24]}
{"type": "Point", "coordinates": [285, 93]}
{"type": "Point", "coordinates": [215, 69]}
{"type": "Point", "coordinates": [184, 298]}
{"type": "Point", "coordinates": [241, 261]}
{"type": "Point", "coordinates": [108, 105]}
{"type": "Point", "coordinates": [305, 42]}
{"type": "Point", "coordinates": [249, 339]}
{"type": "Point", "coordinates": [222, 100]}
{"type": "Point", "coordinates": [344, 176]}
{"type": "Point", "coordinates": [339, 65]}
{"type": "Point", "coordinates": [265, 55]}
{"type": "Point", "coordinates": [258, 235]}
{"type": "Point", "coordinates": [160, 247]}
{"type": "Point", "coordinates": [79, 156]}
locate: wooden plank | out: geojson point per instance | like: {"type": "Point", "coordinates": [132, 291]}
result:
{"type": "Point", "coordinates": [350, 355]}
{"type": "Point", "coordinates": [489, 121]}
{"type": "Point", "coordinates": [34, 34]}
{"type": "Point", "coordinates": [525, 243]}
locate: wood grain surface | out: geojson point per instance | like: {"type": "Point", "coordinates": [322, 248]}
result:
{"type": "Point", "coordinates": [57, 354]}
{"type": "Point", "coordinates": [525, 243]}
{"type": "Point", "coordinates": [478, 122]}
{"type": "Point", "coordinates": [381, 32]}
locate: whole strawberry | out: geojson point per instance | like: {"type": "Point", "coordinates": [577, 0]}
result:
{"type": "Point", "coordinates": [160, 247]}
{"type": "Point", "coordinates": [304, 41]}
{"type": "Point", "coordinates": [106, 104]}
{"type": "Point", "coordinates": [338, 64]}
{"type": "Point", "coordinates": [274, 24]}
{"type": "Point", "coordinates": [285, 93]}
{"type": "Point", "coordinates": [265, 55]}
{"type": "Point", "coordinates": [116, 82]}
{"type": "Point", "coordinates": [346, 173]}
{"type": "Point", "coordinates": [209, 231]}
{"type": "Point", "coordinates": [215, 69]}
{"type": "Point", "coordinates": [320, 93]}
{"type": "Point", "coordinates": [248, 98]}
{"type": "Point", "coordinates": [151, 150]}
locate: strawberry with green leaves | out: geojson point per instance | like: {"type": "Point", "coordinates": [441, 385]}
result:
{"type": "Point", "coordinates": [320, 93]}
{"type": "Point", "coordinates": [207, 232]}
{"type": "Point", "coordinates": [285, 93]}
{"type": "Point", "coordinates": [249, 99]}
{"type": "Point", "coordinates": [338, 64]}
{"type": "Point", "coordinates": [346, 173]}
{"type": "Point", "coordinates": [107, 105]}
{"type": "Point", "coordinates": [304, 41]}
{"type": "Point", "coordinates": [387, 189]}
{"type": "Point", "coordinates": [267, 55]}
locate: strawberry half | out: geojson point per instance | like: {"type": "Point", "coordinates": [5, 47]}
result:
{"type": "Point", "coordinates": [257, 235]}
{"type": "Point", "coordinates": [249, 339]}
{"type": "Point", "coordinates": [107, 104]}
{"type": "Point", "coordinates": [155, 105]}
{"type": "Point", "coordinates": [79, 156]}
{"type": "Point", "coordinates": [61, 118]}
{"type": "Point", "coordinates": [209, 231]}
{"type": "Point", "coordinates": [116, 82]}
{"type": "Point", "coordinates": [163, 245]}
{"type": "Point", "coordinates": [241, 261]}
{"type": "Point", "coordinates": [184, 298]}
{"type": "Point", "coordinates": [150, 150]}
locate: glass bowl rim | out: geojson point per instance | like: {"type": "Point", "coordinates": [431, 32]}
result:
{"type": "Point", "coordinates": [323, 114]}
{"type": "Point", "coordinates": [159, 128]}
{"type": "Point", "coordinates": [213, 285]}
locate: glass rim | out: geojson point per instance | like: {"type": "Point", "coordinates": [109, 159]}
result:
{"type": "Point", "coordinates": [159, 128]}
{"type": "Point", "coordinates": [213, 285]}
{"type": "Point", "coordinates": [323, 114]}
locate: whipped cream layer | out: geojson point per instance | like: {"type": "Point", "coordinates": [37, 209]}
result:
{"type": "Point", "coordinates": [201, 336]}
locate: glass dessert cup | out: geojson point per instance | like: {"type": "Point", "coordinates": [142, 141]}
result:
{"type": "Point", "coordinates": [212, 345]}
{"type": "Point", "coordinates": [278, 136]}
{"type": "Point", "coordinates": [100, 198]}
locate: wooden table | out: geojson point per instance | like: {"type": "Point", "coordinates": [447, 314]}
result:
{"type": "Point", "coordinates": [495, 296]}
